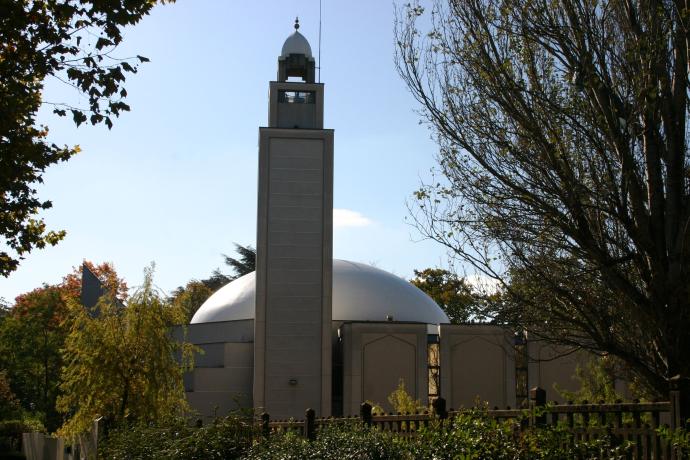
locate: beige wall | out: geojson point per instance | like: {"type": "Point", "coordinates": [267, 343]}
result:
{"type": "Point", "coordinates": [301, 116]}
{"type": "Point", "coordinates": [477, 361]}
{"type": "Point", "coordinates": [294, 272]}
{"type": "Point", "coordinates": [223, 381]}
{"type": "Point", "coordinates": [376, 356]}
{"type": "Point", "coordinates": [553, 367]}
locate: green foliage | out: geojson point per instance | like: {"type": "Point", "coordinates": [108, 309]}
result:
{"type": "Point", "coordinates": [332, 443]}
{"type": "Point", "coordinates": [474, 435]}
{"type": "Point", "coordinates": [9, 404]}
{"type": "Point", "coordinates": [190, 298]}
{"type": "Point", "coordinates": [11, 432]}
{"type": "Point", "coordinates": [226, 438]}
{"type": "Point", "coordinates": [471, 435]}
{"type": "Point", "coordinates": [31, 337]}
{"type": "Point", "coordinates": [32, 333]}
{"type": "Point", "coordinates": [71, 40]}
{"type": "Point", "coordinates": [678, 438]}
{"type": "Point", "coordinates": [195, 292]}
{"type": "Point", "coordinates": [403, 402]}
{"type": "Point", "coordinates": [597, 382]}
{"type": "Point", "coordinates": [283, 446]}
{"type": "Point", "coordinates": [245, 263]}
{"type": "Point", "coordinates": [451, 292]}
{"type": "Point", "coordinates": [563, 165]}
{"type": "Point", "coordinates": [121, 364]}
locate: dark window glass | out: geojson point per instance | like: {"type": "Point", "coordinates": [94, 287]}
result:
{"type": "Point", "coordinates": [434, 367]}
{"type": "Point", "coordinates": [296, 97]}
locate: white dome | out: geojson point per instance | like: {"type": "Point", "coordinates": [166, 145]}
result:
{"type": "Point", "coordinates": [360, 293]}
{"type": "Point", "coordinates": [296, 44]}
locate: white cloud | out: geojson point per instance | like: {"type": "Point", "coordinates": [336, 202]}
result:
{"type": "Point", "coordinates": [348, 218]}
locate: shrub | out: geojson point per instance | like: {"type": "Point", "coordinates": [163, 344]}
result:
{"type": "Point", "coordinates": [226, 438]}
{"type": "Point", "coordinates": [470, 435]}
{"type": "Point", "coordinates": [403, 402]}
{"type": "Point", "coordinates": [338, 442]}
{"type": "Point", "coordinates": [678, 438]}
{"type": "Point", "coordinates": [11, 433]}
{"type": "Point", "coordinates": [474, 435]}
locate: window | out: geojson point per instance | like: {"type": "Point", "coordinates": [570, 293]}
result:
{"type": "Point", "coordinates": [296, 97]}
{"type": "Point", "coordinates": [434, 366]}
{"type": "Point", "coordinates": [521, 362]}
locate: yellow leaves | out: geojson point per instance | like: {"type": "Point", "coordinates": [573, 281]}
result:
{"type": "Point", "coordinates": [122, 362]}
{"type": "Point", "coordinates": [403, 402]}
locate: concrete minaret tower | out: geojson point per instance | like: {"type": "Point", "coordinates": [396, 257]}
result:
{"type": "Point", "coordinates": [292, 326]}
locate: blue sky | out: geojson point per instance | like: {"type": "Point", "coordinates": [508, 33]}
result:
{"type": "Point", "coordinates": [174, 181]}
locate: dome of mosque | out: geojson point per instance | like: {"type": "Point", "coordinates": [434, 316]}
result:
{"type": "Point", "coordinates": [360, 293]}
{"type": "Point", "coordinates": [296, 44]}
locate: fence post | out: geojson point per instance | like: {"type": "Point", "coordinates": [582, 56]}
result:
{"type": "Point", "coordinates": [537, 397]}
{"type": "Point", "coordinates": [99, 430]}
{"type": "Point", "coordinates": [439, 406]}
{"type": "Point", "coordinates": [679, 396]}
{"type": "Point", "coordinates": [365, 413]}
{"type": "Point", "coordinates": [309, 425]}
{"type": "Point", "coordinates": [265, 428]}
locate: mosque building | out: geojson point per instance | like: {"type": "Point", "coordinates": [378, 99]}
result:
{"type": "Point", "coordinates": [309, 331]}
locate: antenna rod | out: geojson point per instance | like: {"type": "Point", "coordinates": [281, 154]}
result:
{"type": "Point", "coordinates": [319, 78]}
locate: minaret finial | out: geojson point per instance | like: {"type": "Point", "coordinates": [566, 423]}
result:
{"type": "Point", "coordinates": [297, 23]}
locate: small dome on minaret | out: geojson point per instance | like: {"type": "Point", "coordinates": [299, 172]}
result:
{"type": "Point", "coordinates": [295, 59]}
{"type": "Point", "coordinates": [296, 44]}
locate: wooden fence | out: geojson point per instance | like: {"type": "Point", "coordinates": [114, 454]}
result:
{"type": "Point", "coordinates": [634, 422]}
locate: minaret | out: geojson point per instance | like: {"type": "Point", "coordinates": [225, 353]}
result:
{"type": "Point", "coordinates": [292, 326]}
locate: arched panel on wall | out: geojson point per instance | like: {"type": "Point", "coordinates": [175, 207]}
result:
{"type": "Point", "coordinates": [477, 361]}
{"type": "Point", "coordinates": [385, 361]}
{"type": "Point", "coordinates": [376, 355]}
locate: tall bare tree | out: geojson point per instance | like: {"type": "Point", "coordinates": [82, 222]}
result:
{"type": "Point", "coordinates": [563, 155]}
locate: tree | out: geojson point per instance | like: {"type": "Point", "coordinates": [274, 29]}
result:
{"type": "Point", "coordinates": [597, 382]}
{"type": "Point", "coordinates": [32, 334]}
{"type": "Point", "coordinates": [30, 342]}
{"type": "Point", "coordinates": [122, 364]}
{"type": "Point", "coordinates": [107, 275]}
{"type": "Point", "coordinates": [451, 293]}
{"type": "Point", "coordinates": [196, 292]}
{"type": "Point", "coordinates": [245, 264]}
{"type": "Point", "coordinates": [9, 404]}
{"type": "Point", "coordinates": [562, 149]}
{"type": "Point", "coordinates": [190, 298]}
{"type": "Point", "coordinates": [72, 41]}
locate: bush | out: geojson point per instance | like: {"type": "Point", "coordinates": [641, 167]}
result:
{"type": "Point", "coordinates": [678, 438]}
{"type": "Point", "coordinates": [339, 442]}
{"type": "Point", "coordinates": [226, 438]}
{"type": "Point", "coordinates": [471, 435]}
{"type": "Point", "coordinates": [11, 433]}
{"type": "Point", "coordinates": [474, 435]}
